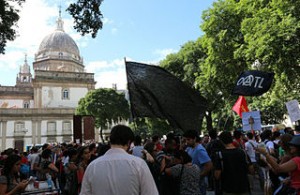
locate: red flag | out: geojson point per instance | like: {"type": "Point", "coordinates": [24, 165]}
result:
{"type": "Point", "coordinates": [240, 106]}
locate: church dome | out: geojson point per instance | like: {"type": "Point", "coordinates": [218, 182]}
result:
{"type": "Point", "coordinates": [58, 41]}
{"type": "Point", "coordinates": [58, 45]}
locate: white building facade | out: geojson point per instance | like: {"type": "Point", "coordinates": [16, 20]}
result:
{"type": "Point", "coordinates": [40, 109]}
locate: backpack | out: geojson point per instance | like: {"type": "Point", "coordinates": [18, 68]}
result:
{"type": "Point", "coordinates": [213, 148]}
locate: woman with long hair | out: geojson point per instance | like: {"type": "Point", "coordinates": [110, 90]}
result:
{"type": "Point", "coordinates": [70, 170]}
{"type": "Point", "coordinates": [9, 180]}
{"type": "Point", "coordinates": [83, 159]}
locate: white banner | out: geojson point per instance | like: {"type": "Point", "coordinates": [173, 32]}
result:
{"type": "Point", "coordinates": [293, 110]}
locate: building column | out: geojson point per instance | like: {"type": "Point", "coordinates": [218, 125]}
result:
{"type": "Point", "coordinates": [39, 131]}
{"type": "Point", "coordinates": [36, 132]}
{"type": "Point", "coordinates": [97, 134]}
{"type": "Point", "coordinates": [4, 129]}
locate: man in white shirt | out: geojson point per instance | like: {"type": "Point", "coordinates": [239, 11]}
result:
{"type": "Point", "coordinates": [250, 146]}
{"type": "Point", "coordinates": [32, 159]}
{"type": "Point", "coordinates": [117, 172]}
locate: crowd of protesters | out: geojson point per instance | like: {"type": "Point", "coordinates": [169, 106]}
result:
{"type": "Point", "coordinates": [223, 162]}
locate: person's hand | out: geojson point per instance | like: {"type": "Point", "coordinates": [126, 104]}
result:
{"type": "Point", "coordinates": [22, 185]}
{"type": "Point", "coordinates": [261, 150]}
{"type": "Point", "coordinates": [286, 181]}
{"type": "Point", "coordinates": [168, 157]}
{"type": "Point", "coordinates": [72, 166]}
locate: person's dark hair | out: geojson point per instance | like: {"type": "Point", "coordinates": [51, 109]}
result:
{"type": "Point", "coordinates": [80, 153]}
{"type": "Point", "coordinates": [191, 134]}
{"type": "Point", "coordinates": [284, 141]}
{"type": "Point", "coordinates": [289, 130]}
{"type": "Point", "coordinates": [266, 134]}
{"type": "Point", "coordinates": [149, 147]}
{"type": "Point", "coordinates": [213, 134]}
{"type": "Point", "coordinates": [34, 149]}
{"type": "Point", "coordinates": [64, 144]}
{"type": "Point", "coordinates": [45, 146]}
{"type": "Point", "coordinates": [137, 140]}
{"type": "Point", "coordinates": [71, 152]}
{"type": "Point", "coordinates": [16, 151]}
{"type": "Point", "coordinates": [92, 146]}
{"type": "Point", "coordinates": [9, 151]}
{"type": "Point", "coordinates": [155, 138]}
{"type": "Point", "coordinates": [170, 135]}
{"type": "Point", "coordinates": [275, 135]}
{"type": "Point", "coordinates": [198, 139]}
{"type": "Point", "coordinates": [46, 153]}
{"type": "Point", "coordinates": [226, 137]}
{"type": "Point", "coordinates": [9, 163]}
{"type": "Point", "coordinates": [121, 135]}
{"type": "Point", "coordinates": [295, 141]}
{"type": "Point", "coordinates": [183, 156]}
{"type": "Point", "coordinates": [102, 149]}
{"type": "Point", "coordinates": [237, 134]}
{"type": "Point", "coordinates": [250, 135]}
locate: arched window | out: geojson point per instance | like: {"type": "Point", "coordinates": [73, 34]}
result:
{"type": "Point", "coordinates": [24, 79]}
{"type": "Point", "coordinates": [26, 105]}
{"type": "Point", "coordinates": [65, 94]}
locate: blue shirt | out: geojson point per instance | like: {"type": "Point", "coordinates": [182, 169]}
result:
{"type": "Point", "coordinates": [199, 155]}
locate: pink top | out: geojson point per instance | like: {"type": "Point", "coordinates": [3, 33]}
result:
{"type": "Point", "coordinates": [295, 175]}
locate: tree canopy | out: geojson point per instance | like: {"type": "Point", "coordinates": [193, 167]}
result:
{"type": "Point", "coordinates": [106, 105]}
{"type": "Point", "coordinates": [86, 14]}
{"type": "Point", "coordinates": [236, 34]}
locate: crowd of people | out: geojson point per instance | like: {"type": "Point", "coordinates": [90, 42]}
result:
{"type": "Point", "coordinates": [224, 162]}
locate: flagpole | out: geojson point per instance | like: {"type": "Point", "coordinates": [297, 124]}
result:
{"type": "Point", "coordinates": [129, 96]}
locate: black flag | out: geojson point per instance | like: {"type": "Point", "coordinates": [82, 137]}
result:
{"type": "Point", "coordinates": [154, 92]}
{"type": "Point", "coordinates": [253, 83]}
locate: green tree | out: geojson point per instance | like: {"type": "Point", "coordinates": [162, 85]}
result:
{"type": "Point", "coordinates": [8, 19]}
{"type": "Point", "coordinates": [147, 127]}
{"type": "Point", "coordinates": [86, 14]}
{"type": "Point", "coordinates": [236, 33]}
{"type": "Point", "coordinates": [239, 32]}
{"type": "Point", "coordinates": [106, 105]}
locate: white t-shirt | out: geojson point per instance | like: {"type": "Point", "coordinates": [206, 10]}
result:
{"type": "Point", "coordinates": [250, 150]}
{"type": "Point", "coordinates": [117, 172]}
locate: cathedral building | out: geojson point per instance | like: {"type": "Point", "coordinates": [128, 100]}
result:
{"type": "Point", "coordinates": [39, 109]}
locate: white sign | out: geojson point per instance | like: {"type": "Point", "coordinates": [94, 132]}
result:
{"type": "Point", "coordinates": [293, 110]}
{"type": "Point", "coordinates": [251, 121]}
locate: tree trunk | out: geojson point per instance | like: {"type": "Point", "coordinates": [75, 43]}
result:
{"type": "Point", "coordinates": [101, 135]}
{"type": "Point", "coordinates": [209, 125]}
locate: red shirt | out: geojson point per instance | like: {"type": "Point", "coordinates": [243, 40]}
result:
{"type": "Point", "coordinates": [238, 143]}
{"type": "Point", "coordinates": [295, 175]}
{"type": "Point", "coordinates": [24, 160]}
{"type": "Point", "coordinates": [159, 147]}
